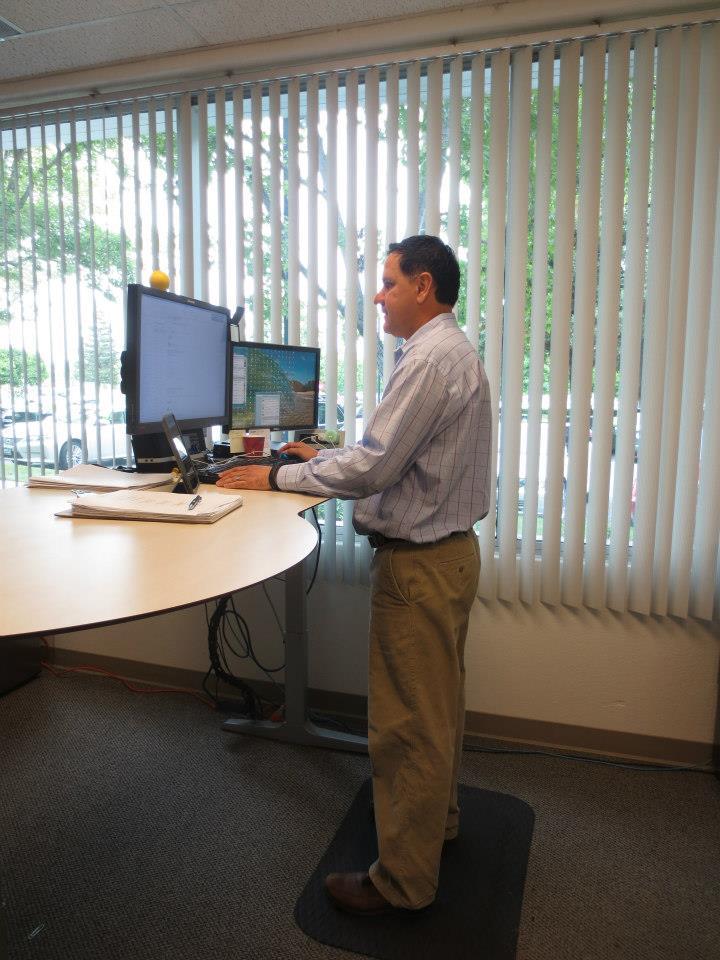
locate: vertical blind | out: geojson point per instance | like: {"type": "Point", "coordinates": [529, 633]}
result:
{"type": "Point", "coordinates": [578, 182]}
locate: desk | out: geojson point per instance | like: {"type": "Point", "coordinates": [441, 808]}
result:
{"type": "Point", "coordinates": [61, 575]}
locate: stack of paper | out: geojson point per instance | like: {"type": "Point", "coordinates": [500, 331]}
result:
{"type": "Point", "coordinates": [154, 505]}
{"type": "Point", "coordinates": [90, 476]}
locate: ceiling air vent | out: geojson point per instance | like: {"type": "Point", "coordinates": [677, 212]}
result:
{"type": "Point", "coordinates": [8, 29]}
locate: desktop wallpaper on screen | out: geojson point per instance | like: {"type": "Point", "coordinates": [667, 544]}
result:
{"type": "Point", "coordinates": [273, 387]}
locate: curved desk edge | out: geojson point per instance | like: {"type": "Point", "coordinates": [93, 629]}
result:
{"type": "Point", "coordinates": [67, 574]}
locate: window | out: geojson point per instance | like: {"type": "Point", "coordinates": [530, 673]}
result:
{"type": "Point", "coordinates": [582, 202]}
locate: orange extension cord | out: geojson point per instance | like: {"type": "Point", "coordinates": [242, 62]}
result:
{"type": "Point", "coordinates": [87, 668]}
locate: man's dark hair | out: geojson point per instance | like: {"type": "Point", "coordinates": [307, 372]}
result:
{"type": "Point", "coordinates": [426, 254]}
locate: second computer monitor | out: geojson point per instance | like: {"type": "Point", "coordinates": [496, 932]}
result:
{"type": "Point", "coordinates": [274, 386]}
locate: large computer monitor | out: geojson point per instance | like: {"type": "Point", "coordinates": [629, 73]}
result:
{"type": "Point", "coordinates": [177, 359]}
{"type": "Point", "coordinates": [274, 386]}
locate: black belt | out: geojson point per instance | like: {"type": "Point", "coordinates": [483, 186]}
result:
{"type": "Point", "coordinates": [380, 540]}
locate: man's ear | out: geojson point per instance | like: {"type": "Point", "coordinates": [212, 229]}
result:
{"type": "Point", "coordinates": [424, 283]}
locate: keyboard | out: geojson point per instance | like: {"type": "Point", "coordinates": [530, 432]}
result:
{"type": "Point", "coordinates": [209, 473]}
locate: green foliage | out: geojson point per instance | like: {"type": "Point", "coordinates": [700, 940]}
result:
{"type": "Point", "coordinates": [13, 371]}
{"type": "Point", "coordinates": [100, 357]}
{"type": "Point", "coordinates": [44, 225]}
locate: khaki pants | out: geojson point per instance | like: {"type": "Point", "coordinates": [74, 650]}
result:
{"type": "Point", "coordinates": [420, 606]}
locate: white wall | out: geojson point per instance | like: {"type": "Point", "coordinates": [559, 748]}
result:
{"type": "Point", "coordinates": [621, 672]}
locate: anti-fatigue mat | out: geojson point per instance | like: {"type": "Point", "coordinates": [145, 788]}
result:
{"type": "Point", "coordinates": [476, 914]}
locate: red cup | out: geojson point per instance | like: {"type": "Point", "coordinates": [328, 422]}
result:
{"type": "Point", "coordinates": [253, 446]}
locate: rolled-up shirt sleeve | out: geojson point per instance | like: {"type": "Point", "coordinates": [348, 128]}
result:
{"type": "Point", "coordinates": [417, 404]}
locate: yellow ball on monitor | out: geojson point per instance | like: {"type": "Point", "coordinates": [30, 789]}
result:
{"type": "Point", "coordinates": [159, 280]}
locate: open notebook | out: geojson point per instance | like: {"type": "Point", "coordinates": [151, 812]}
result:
{"type": "Point", "coordinates": [154, 505]}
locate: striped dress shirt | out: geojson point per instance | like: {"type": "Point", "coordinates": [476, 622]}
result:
{"type": "Point", "coordinates": [422, 468]}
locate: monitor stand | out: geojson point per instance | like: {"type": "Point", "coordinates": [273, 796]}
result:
{"type": "Point", "coordinates": [153, 454]}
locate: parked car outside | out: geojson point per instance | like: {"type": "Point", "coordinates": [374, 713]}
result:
{"type": "Point", "coordinates": [29, 438]}
{"type": "Point", "coordinates": [20, 416]}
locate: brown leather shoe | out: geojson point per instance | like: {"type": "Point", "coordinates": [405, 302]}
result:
{"type": "Point", "coordinates": [356, 893]}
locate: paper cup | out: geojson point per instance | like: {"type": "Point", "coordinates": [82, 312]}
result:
{"type": "Point", "coordinates": [236, 441]}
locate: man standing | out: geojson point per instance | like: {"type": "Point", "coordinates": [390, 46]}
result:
{"type": "Point", "coordinates": [421, 479]}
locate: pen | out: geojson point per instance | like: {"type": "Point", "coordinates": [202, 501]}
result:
{"type": "Point", "coordinates": [194, 502]}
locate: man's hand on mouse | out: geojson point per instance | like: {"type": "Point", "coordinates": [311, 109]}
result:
{"type": "Point", "coordinates": [245, 478]}
{"type": "Point", "coordinates": [298, 449]}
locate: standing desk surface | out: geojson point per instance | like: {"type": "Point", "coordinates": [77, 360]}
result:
{"type": "Point", "coordinates": [61, 574]}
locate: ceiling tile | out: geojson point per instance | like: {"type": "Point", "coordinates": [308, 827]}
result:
{"type": "Point", "coordinates": [129, 37]}
{"type": "Point", "coordinates": [227, 21]}
{"type": "Point", "coordinates": [32, 15]}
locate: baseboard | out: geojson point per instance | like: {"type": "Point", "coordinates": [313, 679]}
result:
{"type": "Point", "coordinates": [591, 741]}
{"type": "Point", "coordinates": [480, 728]}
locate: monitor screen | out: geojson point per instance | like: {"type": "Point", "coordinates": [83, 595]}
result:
{"type": "Point", "coordinates": [177, 360]}
{"type": "Point", "coordinates": [274, 386]}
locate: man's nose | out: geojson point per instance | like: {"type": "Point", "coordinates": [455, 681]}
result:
{"type": "Point", "coordinates": [378, 298]}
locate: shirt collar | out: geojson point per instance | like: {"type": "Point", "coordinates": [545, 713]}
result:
{"type": "Point", "coordinates": [425, 330]}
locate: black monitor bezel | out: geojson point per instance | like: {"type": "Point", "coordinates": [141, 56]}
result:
{"type": "Point", "coordinates": [257, 344]}
{"type": "Point", "coordinates": [131, 362]}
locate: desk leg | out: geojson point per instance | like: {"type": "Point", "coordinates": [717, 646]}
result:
{"type": "Point", "coordinates": [297, 727]}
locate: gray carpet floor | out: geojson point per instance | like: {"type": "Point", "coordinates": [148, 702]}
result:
{"type": "Point", "coordinates": [132, 827]}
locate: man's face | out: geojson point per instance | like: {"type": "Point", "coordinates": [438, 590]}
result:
{"type": "Point", "coordinates": [398, 299]}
